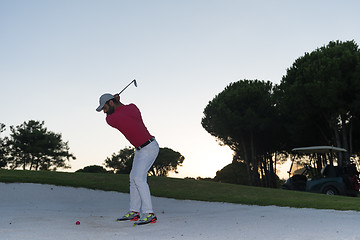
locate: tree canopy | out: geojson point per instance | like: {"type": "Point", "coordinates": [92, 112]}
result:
{"type": "Point", "coordinates": [168, 160]}
{"type": "Point", "coordinates": [30, 145]}
{"type": "Point", "coordinates": [320, 96]}
{"type": "Point", "coordinates": [2, 147]}
{"type": "Point", "coordinates": [244, 117]}
{"type": "Point", "coordinates": [316, 103]}
{"type": "Point", "coordinates": [121, 162]}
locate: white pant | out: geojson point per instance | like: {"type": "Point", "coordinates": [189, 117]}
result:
{"type": "Point", "coordinates": [140, 199]}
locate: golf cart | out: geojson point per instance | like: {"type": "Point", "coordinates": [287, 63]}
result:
{"type": "Point", "coordinates": [320, 175]}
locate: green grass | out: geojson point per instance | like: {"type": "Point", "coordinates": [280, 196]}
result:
{"type": "Point", "coordinates": [187, 189]}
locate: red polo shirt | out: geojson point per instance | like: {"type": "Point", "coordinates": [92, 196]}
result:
{"type": "Point", "coordinates": [127, 119]}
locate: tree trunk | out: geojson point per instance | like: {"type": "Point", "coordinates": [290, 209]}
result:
{"type": "Point", "coordinates": [350, 138]}
{"type": "Point", "coordinates": [271, 171]}
{"type": "Point", "coordinates": [345, 156]}
{"type": "Point", "coordinates": [255, 163]}
{"type": "Point", "coordinates": [337, 139]}
{"type": "Point", "coordinates": [31, 162]}
{"type": "Point", "coordinates": [24, 162]}
{"type": "Point", "coordinates": [247, 161]}
{"type": "Point", "coordinates": [263, 173]}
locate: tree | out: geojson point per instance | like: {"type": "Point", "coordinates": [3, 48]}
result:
{"type": "Point", "coordinates": [2, 147]}
{"type": "Point", "coordinates": [32, 145]}
{"type": "Point", "coordinates": [121, 162]}
{"type": "Point", "coordinates": [245, 118]}
{"type": "Point", "coordinates": [168, 160]}
{"type": "Point", "coordinates": [317, 103]}
{"type": "Point", "coordinates": [320, 96]}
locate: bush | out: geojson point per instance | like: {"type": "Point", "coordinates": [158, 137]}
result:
{"type": "Point", "coordinates": [93, 169]}
{"type": "Point", "coordinates": [233, 173]}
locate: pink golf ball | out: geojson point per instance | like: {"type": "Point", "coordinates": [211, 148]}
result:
{"type": "Point", "coordinates": [77, 222]}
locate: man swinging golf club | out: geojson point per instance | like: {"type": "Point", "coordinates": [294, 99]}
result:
{"type": "Point", "coordinates": [127, 119]}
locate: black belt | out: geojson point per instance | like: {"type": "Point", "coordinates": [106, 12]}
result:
{"type": "Point", "coordinates": [146, 143]}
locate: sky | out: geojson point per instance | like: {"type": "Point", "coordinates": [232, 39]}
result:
{"type": "Point", "coordinates": [58, 57]}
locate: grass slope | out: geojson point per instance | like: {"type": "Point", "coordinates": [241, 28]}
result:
{"type": "Point", "coordinates": [187, 189]}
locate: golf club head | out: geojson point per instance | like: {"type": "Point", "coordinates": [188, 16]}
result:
{"type": "Point", "coordinates": [135, 83]}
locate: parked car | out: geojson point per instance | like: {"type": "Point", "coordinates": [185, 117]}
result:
{"type": "Point", "coordinates": [322, 174]}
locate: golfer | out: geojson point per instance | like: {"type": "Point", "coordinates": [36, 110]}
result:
{"type": "Point", "coordinates": [127, 119]}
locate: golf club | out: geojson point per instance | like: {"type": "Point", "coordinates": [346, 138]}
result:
{"type": "Point", "coordinates": [133, 81]}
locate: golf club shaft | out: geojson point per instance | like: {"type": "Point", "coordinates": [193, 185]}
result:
{"type": "Point", "coordinates": [133, 81]}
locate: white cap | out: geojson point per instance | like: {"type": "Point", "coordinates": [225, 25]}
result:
{"type": "Point", "coordinates": [103, 99]}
